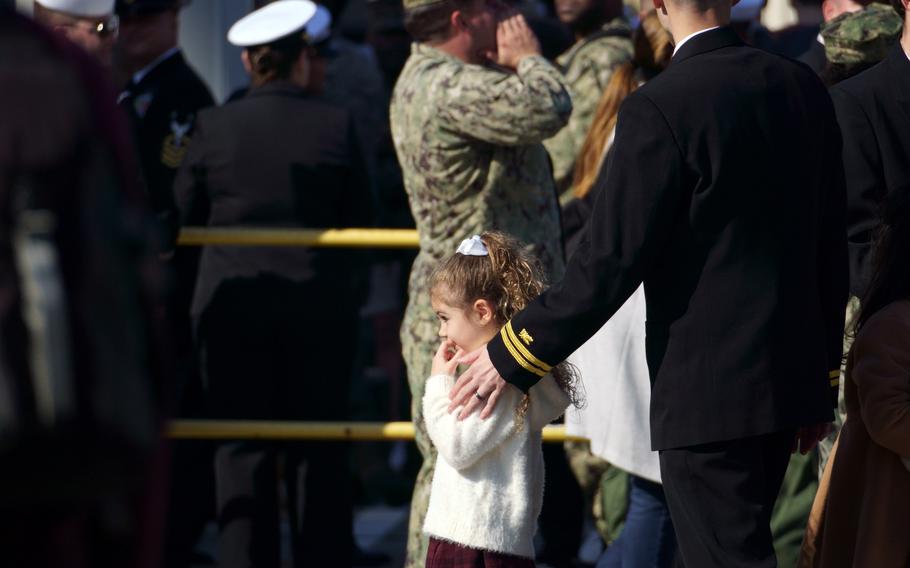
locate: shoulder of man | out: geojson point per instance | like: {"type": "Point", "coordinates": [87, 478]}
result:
{"type": "Point", "coordinates": [866, 84]}
{"type": "Point", "coordinates": [610, 45]}
{"type": "Point", "coordinates": [186, 84]}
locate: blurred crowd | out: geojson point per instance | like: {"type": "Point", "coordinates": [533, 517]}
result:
{"type": "Point", "coordinates": [104, 118]}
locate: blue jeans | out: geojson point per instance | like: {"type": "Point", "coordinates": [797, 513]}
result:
{"type": "Point", "coordinates": [647, 539]}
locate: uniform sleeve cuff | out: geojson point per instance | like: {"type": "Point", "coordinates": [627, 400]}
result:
{"type": "Point", "coordinates": [511, 364]}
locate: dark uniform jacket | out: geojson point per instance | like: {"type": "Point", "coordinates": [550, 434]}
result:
{"type": "Point", "coordinates": [724, 194]}
{"type": "Point", "coordinates": [873, 109]}
{"type": "Point", "coordinates": [275, 158]}
{"type": "Point", "coordinates": [163, 106]}
{"type": "Point", "coordinates": [815, 57]}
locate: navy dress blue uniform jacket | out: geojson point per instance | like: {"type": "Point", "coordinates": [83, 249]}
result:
{"type": "Point", "coordinates": [873, 109]}
{"type": "Point", "coordinates": [724, 194]}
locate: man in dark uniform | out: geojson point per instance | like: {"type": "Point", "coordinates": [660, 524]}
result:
{"type": "Point", "coordinates": [873, 110]}
{"type": "Point", "coordinates": [163, 96]}
{"type": "Point", "coordinates": [725, 196]}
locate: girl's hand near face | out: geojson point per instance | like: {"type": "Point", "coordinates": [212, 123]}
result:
{"type": "Point", "coordinates": [445, 362]}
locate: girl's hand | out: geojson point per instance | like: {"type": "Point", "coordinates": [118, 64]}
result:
{"type": "Point", "coordinates": [446, 359]}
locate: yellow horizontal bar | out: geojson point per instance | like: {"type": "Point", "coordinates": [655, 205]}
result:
{"type": "Point", "coordinates": [250, 236]}
{"type": "Point", "coordinates": [268, 430]}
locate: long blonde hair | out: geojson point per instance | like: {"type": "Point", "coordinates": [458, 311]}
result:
{"type": "Point", "coordinates": [509, 278]}
{"type": "Point", "coordinates": [653, 49]}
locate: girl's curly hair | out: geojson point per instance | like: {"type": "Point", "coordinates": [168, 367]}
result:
{"type": "Point", "coordinates": [509, 278]}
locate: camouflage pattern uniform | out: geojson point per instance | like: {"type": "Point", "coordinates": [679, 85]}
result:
{"type": "Point", "coordinates": [863, 37]}
{"type": "Point", "coordinates": [587, 67]}
{"type": "Point", "coordinates": [468, 139]}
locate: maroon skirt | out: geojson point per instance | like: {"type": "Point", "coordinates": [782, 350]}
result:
{"type": "Point", "coordinates": [444, 554]}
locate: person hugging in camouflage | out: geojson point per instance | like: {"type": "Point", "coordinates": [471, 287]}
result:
{"type": "Point", "coordinates": [469, 113]}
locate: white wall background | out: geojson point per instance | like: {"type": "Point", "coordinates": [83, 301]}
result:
{"type": "Point", "coordinates": [203, 29]}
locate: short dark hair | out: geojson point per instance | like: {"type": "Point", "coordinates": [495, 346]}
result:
{"type": "Point", "coordinates": [430, 23]}
{"type": "Point", "coordinates": [899, 8]}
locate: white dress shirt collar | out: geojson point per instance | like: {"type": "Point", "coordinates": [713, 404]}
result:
{"type": "Point", "coordinates": [690, 36]}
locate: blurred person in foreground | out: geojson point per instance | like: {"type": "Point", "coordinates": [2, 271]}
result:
{"type": "Point", "coordinates": [469, 112]}
{"type": "Point", "coordinates": [745, 298]}
{"type": "Point", "coordinates": [90, 24]}
{"type": "Point", "coordinates": [603, 42]}
{"type": "Point", "coordinates": [616, 417]}
{"type": "Point", "coordinates": [274, 325]}
{"type": "Point", "coordinates": [84, 373]}
{"type": "Point", "coordinates": [860, 517]}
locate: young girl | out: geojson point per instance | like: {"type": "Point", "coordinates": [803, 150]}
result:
{"type": "Point", "coordinates": [488, 484]}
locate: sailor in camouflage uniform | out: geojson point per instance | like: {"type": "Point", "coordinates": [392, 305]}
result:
{"type": "Point", "coordinates": [468, 137]}
{"type": "Point", "coordinates": [604, 42]}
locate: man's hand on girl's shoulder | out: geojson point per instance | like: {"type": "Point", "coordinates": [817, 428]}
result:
{"type": "Point", "coordinates": [479, 386]}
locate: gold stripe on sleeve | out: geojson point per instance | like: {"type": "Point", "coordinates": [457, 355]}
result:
{"type": "Point", "coordinates": [517, 356]}
{"type": "Point", "coordinates": [521, 349]}
{"type": "Point", "coordinates": [834, 374]}
{"type": "Point", "coordinates": [835, 382]}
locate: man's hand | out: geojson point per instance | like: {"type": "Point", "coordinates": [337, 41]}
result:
{"type": "Point", "coordinates": [515, 41]}
{"type": "Point", "coordinates": [479, 385]}
{"type": "Point", "coordinates": [445, 362]}
{"type": "Point", "coordinates": [809, 436]}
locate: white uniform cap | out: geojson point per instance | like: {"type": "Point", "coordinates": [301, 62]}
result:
{"type": "Point", "coordinates": [271, 22]}
{"type": "Point", "coordinates": [83, 8]}
{"type": "Point", "coordinates": [746, 10]}
{"type": "Point", "coordinates": [319, 27]}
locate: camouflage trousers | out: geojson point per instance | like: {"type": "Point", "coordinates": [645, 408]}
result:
{"type": "Point", "coordinates": [418, 343]}
{"type": "Point", "coordinates": [824, 447]}
{"type": "Point", "coordinates": [605, 489]}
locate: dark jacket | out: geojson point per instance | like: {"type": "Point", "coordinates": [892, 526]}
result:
{"type": "Point", "coordinates": [873, 109]}
{"type": "Point", "coordinates": [163, 107]}
{"type": "Point", "coordinates": [815, 57]}
{"type": "Point", "coordinates": [275, 158]}
{"type": "Point", "coordinates": [724, 194]}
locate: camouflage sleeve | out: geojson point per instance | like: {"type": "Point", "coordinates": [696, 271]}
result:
{"type": "Point", "coordinates": [586, 91]}
{"type": "Point", "coordinates": [507, 109]}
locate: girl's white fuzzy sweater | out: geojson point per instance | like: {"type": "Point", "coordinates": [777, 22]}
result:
{"type": "Point", "coordinates": [488, 485]}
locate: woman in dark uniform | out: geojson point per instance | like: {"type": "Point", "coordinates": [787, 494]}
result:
{"type": "Point", "coordinates": [269, 319]}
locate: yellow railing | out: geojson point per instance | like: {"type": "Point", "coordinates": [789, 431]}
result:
{"type": "Point", "coordinates": [271, 430]}
{"type": "Point", "coordinates": [346, 238]}
{"type": "Point", "coordinates": [350, 431]}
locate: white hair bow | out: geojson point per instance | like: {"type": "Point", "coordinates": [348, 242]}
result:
{"type": "Point", "coordinates": [472, 247]}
